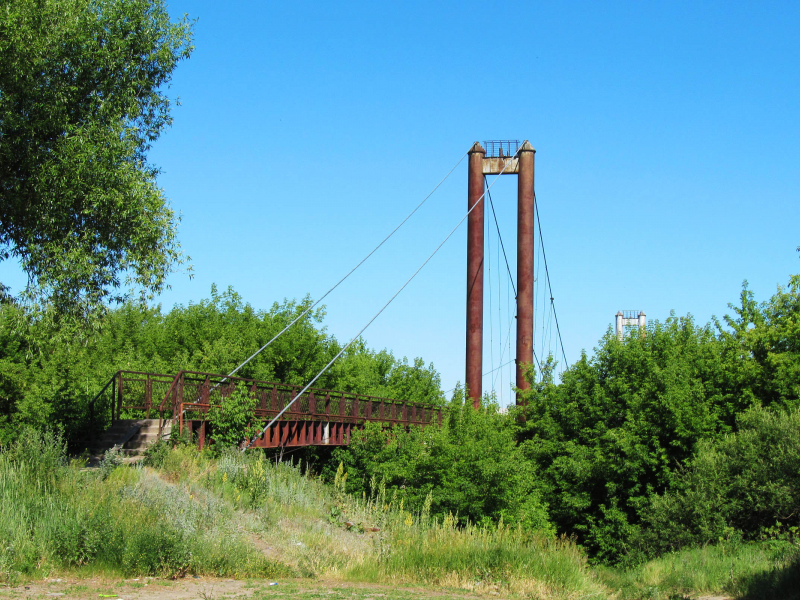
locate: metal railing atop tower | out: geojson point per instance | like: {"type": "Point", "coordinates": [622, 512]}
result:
{"type": "Point", "coordinates": [501, 148]}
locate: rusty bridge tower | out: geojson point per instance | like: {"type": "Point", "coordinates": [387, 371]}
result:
{"type": "Point", "coordinates": [505, 157]}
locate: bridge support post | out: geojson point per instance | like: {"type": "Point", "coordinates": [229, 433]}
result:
{"type": "Point", "coordinates": [525, 252]}
{"type": "Point", "coordinates": [475, 193]}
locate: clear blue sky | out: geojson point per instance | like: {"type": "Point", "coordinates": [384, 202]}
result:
{"type": "Point", "coordinates": [666, 168]}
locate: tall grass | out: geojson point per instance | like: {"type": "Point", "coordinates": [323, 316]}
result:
{"type": "Point", "coordinates": [56, 516]}
{"type": "Point", "coordinates": [413, 547]}
{"type": "Point", "coordinates": [244, 515]}
{"type": "Point", "coordinates": [327, 532]}
{"type": "Point", "coordinates": [766, 570]}
{"type": "Point", "coordinates": [479, 559]}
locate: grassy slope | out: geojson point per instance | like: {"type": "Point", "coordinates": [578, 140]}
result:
{"type": "Point", "coordinates": [768, 571]}
{"type": "Point", "coordinates": [247, 517]}
{"type": "Point", "coordinates": [316, 530]}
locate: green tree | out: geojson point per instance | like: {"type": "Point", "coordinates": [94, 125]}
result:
{"type": "Point", "coordinates": [613, 432]}
{"type": "Point", "coordinates": [365, 371]}
{"type": "Point", "coordinates": [762, 345]}
{"type": "Point", "coordinates": [471, 466]}
{"type": "Point", "coordinates": [82, 98]}
{"type": "Point", "coordinates": [54, 379]}
{"type": "Point", "coordinates": [737, 486]}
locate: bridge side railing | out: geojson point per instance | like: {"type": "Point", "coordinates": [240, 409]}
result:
{"type": "Point", "coordinates": [192, 393]}
{"type": "Point", "coordinates": [128, 393]}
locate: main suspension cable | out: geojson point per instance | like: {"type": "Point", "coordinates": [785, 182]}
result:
{"type": "Point", "coordinates": [385, 306]}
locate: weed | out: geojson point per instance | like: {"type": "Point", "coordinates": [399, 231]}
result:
{"type": "Point", "coordinates": [112, 458]}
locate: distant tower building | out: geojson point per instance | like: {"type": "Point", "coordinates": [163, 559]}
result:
{"type": "Point", "coordinates": [630, 318]}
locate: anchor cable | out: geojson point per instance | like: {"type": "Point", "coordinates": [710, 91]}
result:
{"type": "Point", "coordinates": [363, 260]}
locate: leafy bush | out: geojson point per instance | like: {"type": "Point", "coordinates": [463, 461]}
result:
{"type": "Point", "coordinates": [746, 484]}
{"type": "Point", "coordinates": [163, 552]}
{"type": "Point", "coordinates": [155, 454]}
{"type": "Point", "coordinates": [612, 432]}
{"type": "Point", "coordinates": [233, 422]}
{"type": "Point", "coordinates": [472, 467]}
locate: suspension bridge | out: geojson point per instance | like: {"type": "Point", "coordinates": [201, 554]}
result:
{"type": "Point", "coordinates": [303, 415]}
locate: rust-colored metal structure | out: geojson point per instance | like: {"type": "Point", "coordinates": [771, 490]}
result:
{"type": "Point", "coordinates": [525, 247]}
{"type": "Point", "coordinates": [475, 203]}
{"type": "Point", "coordinates": [318, 417]}
{"type": "Point", "coordinates": [506, 157]}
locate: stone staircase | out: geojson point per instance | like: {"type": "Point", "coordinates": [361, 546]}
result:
{"type": "Point", "coordinates": [134, 436]}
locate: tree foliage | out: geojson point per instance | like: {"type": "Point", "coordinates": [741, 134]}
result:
{"type": "Point", "coordinates": [82, 98]}
{"type": "Point", "coordinates": [742, 485]}
{"type": "Point", "coordinates": [612, 432]}
{"type": "Point", "coordinates": [651, 430]}
{"type": "Point", "coordinates": [472, 467]}
{"type": "Point", "coordinates": [611, 437]}
{"type": "Point", "coordinates": [232, 422]}
{"type": "Point", "coordinates": [54, 380]}
{"type": "Point", "coordinates": [762, 347]}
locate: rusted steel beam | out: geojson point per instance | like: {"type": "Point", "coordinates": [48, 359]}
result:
{"type": "Point", "coordinates": [119, 395]}
{"type": "Point", "coordinates": [525, 250]}
{"type": "Point", "coordinates": [474, 354]}
{"type": "Point", "coordinates": [501, 165]}
{"type": "Point", "coordinates": [204, 391]}
{"type": "Point", "coordinates": [148, 397]}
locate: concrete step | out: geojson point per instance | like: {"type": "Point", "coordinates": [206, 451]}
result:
{"type": "Point", "coordinates": [134, 447]}
{"type": "Point", "coordinates": [147, 435]}
{"type": "Point", "coordinates": [138, 444]}
{"type": "Point", "coordinates": [150, 435]}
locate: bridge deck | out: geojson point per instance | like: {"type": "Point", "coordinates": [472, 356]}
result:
{"type": "Point", "coordinates": [318, 417]}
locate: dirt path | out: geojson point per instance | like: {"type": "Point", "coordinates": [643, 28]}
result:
{"type": "Point", "coordinates": [146, 588]}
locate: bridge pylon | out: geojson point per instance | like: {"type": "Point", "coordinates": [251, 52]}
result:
{"type": "Point", "coordinates": [507, 157]}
